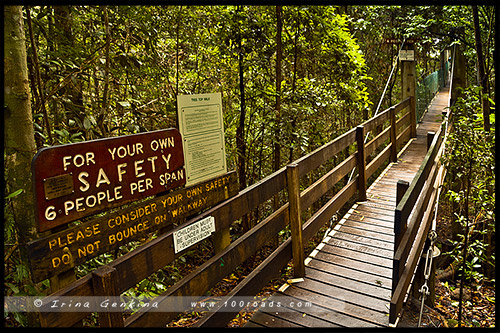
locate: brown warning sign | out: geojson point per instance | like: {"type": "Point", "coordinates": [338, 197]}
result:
{"type": "Point", "coordinates": [77, 180]}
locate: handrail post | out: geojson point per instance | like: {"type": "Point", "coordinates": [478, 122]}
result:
{"type": "Point", "coordinates": [408, 87]}
{"type": "Point", "coordinates": [360, 139]}
{"type": "Point", "coordinates": [430, 137]}
{"type": "Point", "coordinates": [292, 173]}
{"type": "Point", "coordinates": [401, 188]}
{"type": "Point", "coordinates": [394, 148]}
{"type": "Point", "coordinates": [399, 230]}
{"type": "Point", "coordinates": [413, 117]}
{"type": "Point", "coordinates": [104, 284]}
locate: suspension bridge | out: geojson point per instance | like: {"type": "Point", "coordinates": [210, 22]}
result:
{"type": "Point", "coordinates": [360, 273]}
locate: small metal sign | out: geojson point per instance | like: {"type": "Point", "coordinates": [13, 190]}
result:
{"type": "Point", "coordinates": [58, 186]}
{"type": "Point", "coordinates": [193, 233]}
{"type": "Point", "coordinates": [77, 180]}
{"type": "Point", "coordinates": [407, 55]}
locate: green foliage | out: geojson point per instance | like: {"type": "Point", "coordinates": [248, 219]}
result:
{"type": "Point", "coordinates": [470, 160]}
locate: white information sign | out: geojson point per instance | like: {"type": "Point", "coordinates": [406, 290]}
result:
{"type": "Point", "coordinates": [407, 55]}
{"type": "Point", "coordinates": [193, 233]}
{"type": "Point", "coordinates": [202, 129]}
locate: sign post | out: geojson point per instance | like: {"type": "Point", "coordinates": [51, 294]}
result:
{"type": "Point", "coordinates": [409, 83]}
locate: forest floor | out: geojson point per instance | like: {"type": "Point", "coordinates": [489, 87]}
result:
{"type": "Point", "coordinates": [479, 298]}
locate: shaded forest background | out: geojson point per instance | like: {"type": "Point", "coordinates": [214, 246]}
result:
{"type": "Point", "coordinates": [292, 78]}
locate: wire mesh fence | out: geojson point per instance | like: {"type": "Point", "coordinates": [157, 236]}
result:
{"type": "Point", "coordinates": [428, 88]}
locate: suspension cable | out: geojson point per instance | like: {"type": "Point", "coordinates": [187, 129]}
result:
{"type": "Point", "coordinates": [334, 218]}
{"type": "Point", "coordinates": [382, 97]}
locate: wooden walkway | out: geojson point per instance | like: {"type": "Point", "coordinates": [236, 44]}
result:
{"type": "Point", "coordinates": [348, 275]}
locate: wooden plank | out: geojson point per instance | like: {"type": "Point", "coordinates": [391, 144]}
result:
{"type": "Point", "coordinates": [393, 145]}
{"type": "Point", "coordinates": [403, 249]}
{"type": "Point", "coordinates": [403, 122]}
{"type": "Point", "coordinates": [373, 209]}
{"type": "Point", "coordinates": [379, 204]}
{"type": "Point", "coordinates": [359, 275]}
{"type": "Point", "coordinates": [402, 105]}
{"type": "Point", "coordinates": [211, 271]}
{"type": "Point", "coordinates": [389, 201]}
{"type": "Point", "coordinates": [374, 242]}
{"type": "Point", "coordinates": [81, 287]}
{"type": "Point", "coordinates": [324, 214]}
{"type": "Point", "coordinates": [403, 137]}
{"type": "Point", "coordinates": [326, 309]}
{"type": "Point", "coordinates": [380, 196]}
{"type": "Point", "coordinates": [367, 315]}
{"type": "Point", "coordinates": [310, 316]}
{"type": "Point", "coordinates": [381, 193]}
{"type": "Point", "coordinates": [362, 247]}
{"type": "Point", "coordinates": [383, 189]}
{"type": "Point", "coordinates": [413, 113]}
{"type": "Point", "coordinates": [358, 261]}
{"type": "Point", "coordinates": [295, 219]}
{"type": "Point", "coordinates": [312, 160]}
{"type": "Point", "coordinates": [251, 284]}
{"type": "Point", "coordinates": [347, 295]}
{"type": "Point", "coordinates": [356, 292]}
{"type": "Point", "coordinates": [376, 121]}
{"type": "Point", "coordinates": [409, 269]}
{"type": "Point", "coordinates": [367, 233]}
{"type": "Point", "coordinates": [247, 199]}
{"type": "Point", "coordinates": [378, 161]}
{"type": "Point", "coordinates": [105, 284]}
{"type": "Point", "coordinates": [375, 217]}
{"type": "Point", "coordinates": [370, 224]}
{"type": "Point", "coordinates": [253, 324]}
{"type": "Point", "coordinates": [263, 319]}
{"type": "Point", "coordinates": [377, 141]}
{"type": "Point", "coordinates": [409, 199]}
{"type": "Point", "coordinates": [366, 225]}
{"type": "Point", "coordinates": [361, 163]}
{"type": "Point", "coordinates": [335, 247]}
{"type": "Point", "coordinates": [136, 266]}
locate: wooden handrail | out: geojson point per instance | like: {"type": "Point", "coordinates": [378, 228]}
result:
{"type": "Point", "coordinates": [418, 201]}
{"type": "Point", "coordinates": [409, 250]}
{"type": "Point", "coordinates": [138, 264]}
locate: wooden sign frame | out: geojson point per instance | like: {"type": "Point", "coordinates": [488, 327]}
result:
{"type": "Point", "coordinates": [63, 250]}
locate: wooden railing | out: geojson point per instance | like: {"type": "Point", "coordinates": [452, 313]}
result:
{"type": "Point", "coordinates": [391, 129]}
{"type": "Point", "coordinates": [414, 212]}
{"type": "Point", "coordinates": [412, 220]}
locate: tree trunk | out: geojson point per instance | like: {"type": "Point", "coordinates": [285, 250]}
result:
{"type": "Point", "coordinates": [41, 97]}
{"type": "Point", "coordinates": [64, 40]}
{"type": "Point", "coordinates": [19, 134]}
{"type": "Point", "coordinates": [482, 77]}
{"type": "Point", "coordinates": [105, 92]}
{"type": "Point", "coordinates": [241, 146]}
{"type": "Point", "coordinates": [19, 137]}
{"type": "Point", "coordinates": [277, 125]}
{"type": "Point", "coordinates": [294, 138]}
